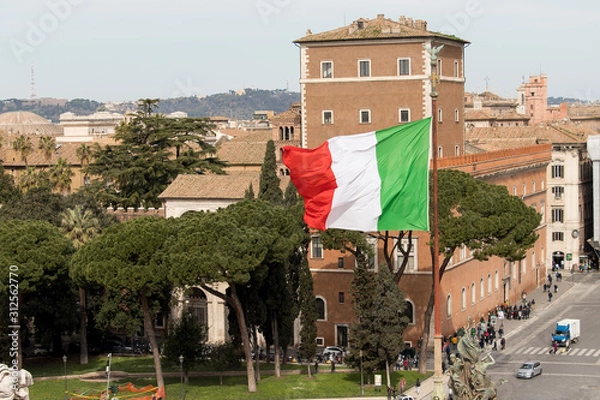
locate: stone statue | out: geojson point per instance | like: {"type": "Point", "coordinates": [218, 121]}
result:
{"type": "Point", "coordinates": [14, 384]}
{"type": "Point", "coordinates": [468, 379]}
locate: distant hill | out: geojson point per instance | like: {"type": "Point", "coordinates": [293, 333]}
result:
{"type": "Point", "coordinates": [231, 105]}
{"type": "Point", "coordinates": [555, 101]}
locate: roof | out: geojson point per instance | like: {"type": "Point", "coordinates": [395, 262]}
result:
{"type": "Point", "coordinates": [291, 115]}
{"type": "Point", "coordinates": [11, 158]}
{"type": "Point", "coordinates": [499, 137]}
{"type": "Point", "coordinates": [28, 123]}
{"type": "Point", "coordinates": [211, 186]}
{"type": "Point", "coordinates": [377, 28]}
{"type": "Point", "coordinates": [238, 152]}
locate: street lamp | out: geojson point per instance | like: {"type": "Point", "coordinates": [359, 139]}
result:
{"type": "Point", "coordinates": [181, 373]}
{"type": "Point", "coordinates": [362, 381]}
{"type": "Point", "coordinates": [108, 373]}
{"type": "Point", "coordinates": [64, 358]}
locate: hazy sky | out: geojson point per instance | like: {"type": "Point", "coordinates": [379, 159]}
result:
{"type": "Point", "coordinates": [110, 50]}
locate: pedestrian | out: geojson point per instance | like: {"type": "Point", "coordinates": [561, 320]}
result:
{"type": "Point", "coordinates": [555, 288]}
{"type": "Point", "coordinates": [533, 304]}
{"type": "Point", "coordinates": [316, 366]}
{"type": "Point", "coordinates": [418, 385]}
{"type": "Point", "coordinates": [554, 346]}
{"type": "Point", "coordinates": [545, 287]}
{"type": "Point", "coordinates": [502, 343]}
{"type": "Point", "coordinates": [501, 331]}
{"type": "Point", "coordinates": [549, 296]}
{"type": "Point", "coordinates": [405, 363]}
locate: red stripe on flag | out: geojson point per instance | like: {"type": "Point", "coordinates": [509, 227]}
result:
{"type": "Point", "coordinates": [310, 171]}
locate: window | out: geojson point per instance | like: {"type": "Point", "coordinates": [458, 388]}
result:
{"type": "Point", "coordinates": [403, 115]}
{"type": "Point", "coordinates": [326, 69]}
{"type": "Point", "coordinates": [341, 298]}
{"type": "Point", "coordinates": [439, 67]}
{"type": "Point", "coordinates": [496, 280]}
{"type": "Point", "coordinates": [365, 116]}
{"type": "Point", "coordinates": [481, 289]}
{"type": "Point", "coordinates": [411, 265]}
{"type": "Point", "coordinates": [533, 187]}
{"type": "Point", "coordinates": [558, 215]}
{"type": "Point", "coordinates": [543, 211]}
{"type": "Point", "coordinates": [558, 171]}
{"type": "Point", "coordinates": [320, 341]}
{"type": "Point", "coordinates": [320, 304]}
{"type": "Point", "coordinates": [524, 189]}
{"type": "Point", "coordinates": [373, 242]}
{"type": "Point", "coordinates": [327, 117]}
{"type": "Point", "coordinates": [473, 298]}
{"type": "Point", "coordinates": [364, 68]}
{"type": "Point", "coordinates": [409, 312]}
{"type": "Point", "coordinates": [489, 283]}
{"type": "Point", "coordinates": [558, 191]}
{"type": "Point", "coordinates": [456, 150]}
{"type": "Point", "coordinates": [463, 252]}
{"type": "Point", "coordinates": [449, 306]}
{"type": "Point", "coordinates": [558, 236]}
{"type": "Point", "coordinates": [316, 247]}
{"type": "Point", "coordinates": [456, 115]}
{"type": "Point", "coordinates": [456, 69]}
{"type": "Point", "coordinates": [463, 299]}
{"type": "Point", "coordinates": [340, 262]}
{"type": "Point", "coordinates": [404, 66]}
{"type": "Point", "coordinates": [440, 115]}
{"type": "Point", "coordinates": [515, 190]}
{"type": "Point", "coordinates": [440, 151]}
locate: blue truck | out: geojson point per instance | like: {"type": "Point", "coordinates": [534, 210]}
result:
{"type": "Point", "coordinates": [567, 331]}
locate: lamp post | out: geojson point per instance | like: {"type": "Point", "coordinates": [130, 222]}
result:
{"type": "Point", "coordinates": [108, 374]}
{"type": "Point", "coordinates": [64, 358]}
{"type": "Point", "coordinates": [181, 373]}
{"type": "Point", "coordinates": [438, 385]}
{"type": "Point", "coordinates": [362, 381]}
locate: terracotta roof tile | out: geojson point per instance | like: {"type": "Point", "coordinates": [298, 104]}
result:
{"type": "Point", "coordinates": [236, 153]}
{"type": "Point", "coordinates": [377, 28]}
{"type": "Point", "coordinates": [211, 186]}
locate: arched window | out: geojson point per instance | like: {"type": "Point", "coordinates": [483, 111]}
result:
{"type": "Point", "coordinates": [496, 280]}
{"type": "Point", "coordinates": [281, 133]}
{"type": "Point", "coordinates": [473, 293]}
{"type": "Point", "coordinates": [321, 309]}
{"type": "Point", "coordinates": [409, 312]}
{"type": "Point", "coordinates": [463, 299]}
{"type": "Point", "coordinates": [481, 289]}
{"type": "Point", "coordinates": [449, 306]}
{"type": "Point", "coordinates": [489, 284]}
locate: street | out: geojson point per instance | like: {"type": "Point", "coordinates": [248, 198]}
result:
{"type": "Point", "coordinates": [566, 375]}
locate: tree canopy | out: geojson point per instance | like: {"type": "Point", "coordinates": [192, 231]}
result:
{"type": "Point", "coordinates": [150, 152]}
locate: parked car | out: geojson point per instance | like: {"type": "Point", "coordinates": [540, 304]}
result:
{"type": "Point", "coordinates": [404, 397]}
{"type": "Point", "coordinates": [332, 351]}
{"type": "Point", "coordinates": [39, 350]}
{"type": "Point", "coordinates": [529, 369]}
{"type": "Point", "coordinates": [115, 346]}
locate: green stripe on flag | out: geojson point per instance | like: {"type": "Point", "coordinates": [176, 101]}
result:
{"type": "Point", "coordinates": [403, 162]}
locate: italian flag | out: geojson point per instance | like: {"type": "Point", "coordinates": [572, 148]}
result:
{"type": "Point", "coordinates": [366, 182]}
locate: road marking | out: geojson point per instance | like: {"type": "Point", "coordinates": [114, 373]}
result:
{"type": "Point", "coordinates": [589, 353]}
{"type": "Point", "coordinates": [543, 350]}
{"type": "Point", "coordinates": [529, 350]}
{"type": "Point", "coordinates": [519, 350]}
{"type": "Point", "coordinates": [597, 353]}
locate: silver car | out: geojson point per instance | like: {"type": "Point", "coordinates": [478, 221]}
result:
{"type": "Point", "coordinates": [529, 369]}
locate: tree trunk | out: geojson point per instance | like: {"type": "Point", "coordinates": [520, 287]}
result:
{"type": "Point", "coordinates": [83, 344]}
{"type": "Point", "coordinates": [425, 337]}
{"type": "Point", "coordinates": [387, 374]}
{"type": "Point", "coordinates": [308, 370]}
{"type": "Point", "coordinates": [276, 345]}
{"type": "Point", "coordinates": [151, 336]}
{"type": "Point", "coordinates": [239, 313]}
{"type": "Point", "coordinates": [235, 303]}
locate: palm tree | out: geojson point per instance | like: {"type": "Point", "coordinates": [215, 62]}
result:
{"type": "Point", "coordinates": [60, 175]}
{"type": "Point", "coordinates": [79, 226]}
{"type": "Point", "coordinates": [84, 154]}
{"type": "Point", "coordinates": [23, 145]}
{"type": "Point", "coordinates": [47, 145]}
{"type": "Point", "coordinates": [29, 179]}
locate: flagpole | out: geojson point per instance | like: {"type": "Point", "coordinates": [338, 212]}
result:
{"type": "Point", "coordinates": [438, 385]}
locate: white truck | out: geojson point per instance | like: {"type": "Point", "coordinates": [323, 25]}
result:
{"type": "Point", "coordinates": [567, 331]}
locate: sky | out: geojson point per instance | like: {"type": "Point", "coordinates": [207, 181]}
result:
{"type": "Point", "coordinates": [124, 50]}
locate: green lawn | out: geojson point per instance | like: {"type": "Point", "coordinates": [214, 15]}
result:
{"type": "Point", "coordinates": [342, 383]}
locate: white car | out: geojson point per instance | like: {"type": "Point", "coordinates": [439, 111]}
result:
{"type": "Point", "coordinates": [404, 397]}
{"type": "Point", "coordinates": [332, 351]}
{"type": "Point", "coordinates": [529, 369]}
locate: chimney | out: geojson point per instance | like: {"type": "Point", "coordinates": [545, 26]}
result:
{"type": "Point", "coordinates": [402, 20]}
{"type": "Point", "coordinates": [380, 16]}
{"type": "Point", "coordinates": [308, 32]}
{"type": "Point", "coordinates": [410, 22]}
